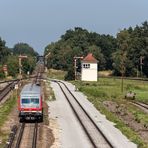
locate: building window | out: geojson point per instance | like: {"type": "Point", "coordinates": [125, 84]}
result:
{"type": "Point", "coordinates": [86, 66]}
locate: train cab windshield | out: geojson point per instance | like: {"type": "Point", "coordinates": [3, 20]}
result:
{"type": "Point", "coordinates": [25, 101]}
{"type": "Point", "coordinates": [31, 101]}
{"type": "Point", "coordinates": [34, 101]}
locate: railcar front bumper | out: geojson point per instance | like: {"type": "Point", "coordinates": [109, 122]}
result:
{"type": "Point", "coordinates": [31, 115]}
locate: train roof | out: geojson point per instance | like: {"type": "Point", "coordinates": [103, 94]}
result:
{"type": "Point", "coordinates": [31, 89]}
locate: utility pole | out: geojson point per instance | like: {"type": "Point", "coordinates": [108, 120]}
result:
{"type": "Point", "coordinates": [141, 64]}
{"type": "Point", "coordinates": [123, 59]}
{"type": "Point", "coordinates": [75, 65]}
{"type": "Point", "coordinates": [137, 72]}
{"type": "Point", "coordinates": [122, 69]}
{"type": "Point", "coordinates": [123, 42]}
{"type": "Point", "coordinates": [46, 57]}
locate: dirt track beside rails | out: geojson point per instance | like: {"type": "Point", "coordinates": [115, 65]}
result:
{"type": "Point", "coordinates": [123, 114]}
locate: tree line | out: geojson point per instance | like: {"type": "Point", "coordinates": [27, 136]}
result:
{"type": "Point", "coordinates": [127, 53]}
{"type": "Point", "coordinates": [9, 57]}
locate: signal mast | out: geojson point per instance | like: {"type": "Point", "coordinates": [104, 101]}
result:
{"type": "Point", "coordinates": [20, 63]}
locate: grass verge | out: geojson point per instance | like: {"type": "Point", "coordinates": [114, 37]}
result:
{"type": "Point", "coordinates": [49, 93]}
{"type": "Point", "coordinates": [56, 74]}
{"type": "Point", "coordinates": [110, 89]}
{"type": "Point", "coordinates": [5, 110]}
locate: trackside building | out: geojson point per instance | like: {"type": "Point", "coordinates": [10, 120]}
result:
{"type": "Point", "coordinates": [89, 68]}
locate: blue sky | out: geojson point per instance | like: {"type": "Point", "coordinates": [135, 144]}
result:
{"type": "Point", "coordinates": [40, 22]}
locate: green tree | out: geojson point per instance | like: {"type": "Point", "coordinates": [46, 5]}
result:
{"type": "Point", "coordinates": [70, 74]}
{"type": "Point", "coordinates": [124, 50]}
{"type": "Point", "coordinates": [28, 65]}
{"type": "Point", "coordinates": [120, 56]}
{"type": "Point", "coordinates": [4, 51]}
{"type": "Point", "coordinates": [13, 66]}
{"type": "Point", "coordinates": [123, 39]}
{"type": "Point", "coordinates": [24, 48]}
{"type": "Point", "coordinates": [2, 75]}
{"type": "Point", "coordinates": [79, 42]}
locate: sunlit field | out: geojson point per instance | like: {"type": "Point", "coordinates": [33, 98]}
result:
{"type": "Point", "coordinates": [111, 89]}
{"type": "Point", "coordinates": [56, 74]}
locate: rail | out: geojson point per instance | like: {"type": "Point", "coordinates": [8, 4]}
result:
{"type": "Point", "coordinates": [35, 135]}
{"type": "Point", "coordinates": [20, 135]}
{"type": "Point", "coordinates": [6, 90]}
{"type": "Point", "coordinates": [143, 105]}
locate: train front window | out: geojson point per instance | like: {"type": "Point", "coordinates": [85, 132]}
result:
{"type": "Point", "coordinates": [35, 101]}
{"type": "Point", "coordinates": [25, 101]}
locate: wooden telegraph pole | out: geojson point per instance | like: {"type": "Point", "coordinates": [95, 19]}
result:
{"type": "Point", "coordinates": [123, 59]}
{"type": "Point", "coordinates": [141, 64]}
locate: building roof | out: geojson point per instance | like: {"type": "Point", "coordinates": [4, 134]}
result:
{"type": "Point", "coordinates": [90, 59]}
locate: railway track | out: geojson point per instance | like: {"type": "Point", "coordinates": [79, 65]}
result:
{"type": "Point", "coordinates": [12, 83]}
{"type": "Point", "coordinates": [27, 136]}
{"type": "Point", "coordinates": [7, 89]}
{"type": "Point", "coordinates": [141, 105]}
{"type": "Point", "coordinates": [34, 141]}
{"type": "Point", "coordinates": [96, 137]}
{"type": "Point", "coordinates": [20, 135]}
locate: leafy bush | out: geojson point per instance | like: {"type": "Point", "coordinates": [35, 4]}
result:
{"type": "Point", "coordinates": [2, 75]}
{"type": "Point", "coordinates": [70, 75]}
